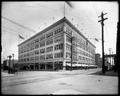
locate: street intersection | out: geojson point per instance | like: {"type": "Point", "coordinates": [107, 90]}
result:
{"type": "Point", "coordinates": [59, 82]}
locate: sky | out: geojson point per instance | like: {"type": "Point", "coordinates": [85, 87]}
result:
{"type": "Point", "coordinates": [39, 15]}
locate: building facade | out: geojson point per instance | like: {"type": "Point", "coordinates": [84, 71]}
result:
{"type": "Point", "coordinates": [110, 61]}
{"type": "Point", "coordinates": [56, 47]}
{"type": "Point", "coordinates": [98, 60]}
{"type": "Point", "coordinates": [9, 64]}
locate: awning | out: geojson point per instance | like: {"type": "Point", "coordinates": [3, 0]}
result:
{"type": "Point", "coordinates": [80, 65]}
{"type": "Point", "coordinates": [73, 65]}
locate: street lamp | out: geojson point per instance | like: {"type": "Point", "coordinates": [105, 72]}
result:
{"type": "Point", "coordinates": [9, 70]}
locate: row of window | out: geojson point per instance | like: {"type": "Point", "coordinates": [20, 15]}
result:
{"type": "Point", "coordinates": [48, 35]}
{"type": "Point", "coordinates": [75, 50]}
{"type": "Point", "coordinates": [57, 47]}
{"type": "Point", "coordinates": [42, 44]}
{"type": "Point", "coordinates": [39, 44]}
{"type": "Point", "coordinates": [68, 55]}
{"type": "Point", "coordinates": [48, 49]}
{"type": "Point", "coordinates": [82, 45]}
{"type": "Point", "coordinates": [85, 59]}
{"type": "Point", "coordinates": [84, 53]}
{"type": "Point", "coordinates": [42, 57]}
{"type": "Point", "coordinates": [56, 55]}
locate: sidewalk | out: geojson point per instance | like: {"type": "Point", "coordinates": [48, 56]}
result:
{"type": "Point", "coordinates": [5, 74]}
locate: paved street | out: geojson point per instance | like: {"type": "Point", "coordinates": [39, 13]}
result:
{"type": "Point", "coordinates": [59, 82]}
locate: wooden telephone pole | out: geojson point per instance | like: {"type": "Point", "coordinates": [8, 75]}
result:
{"type": "Point", "coordinates": [102, 24]}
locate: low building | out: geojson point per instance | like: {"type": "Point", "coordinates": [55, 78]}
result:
{"type": "Point", "coordinates": [7, 62]}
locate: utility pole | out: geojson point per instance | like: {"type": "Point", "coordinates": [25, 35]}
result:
{"type": "Point", "coordinates": [102, 24]}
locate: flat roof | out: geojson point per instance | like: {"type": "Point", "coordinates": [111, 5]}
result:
{"type": "Point", "coordinates": [53, 25]}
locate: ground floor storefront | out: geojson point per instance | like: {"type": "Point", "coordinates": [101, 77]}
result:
{"type": "Point", "coordinates": [52, 66]}
{"type": "Point", "coordinates": [58, 65]}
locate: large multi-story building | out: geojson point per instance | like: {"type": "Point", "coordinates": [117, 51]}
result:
{"type": "Point", "coordinates": [56, 47]}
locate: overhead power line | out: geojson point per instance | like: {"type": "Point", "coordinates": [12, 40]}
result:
{"type": "Point", "coordinates": [18, 24]}
{"type": "Point", "coordinates": [10, 29]}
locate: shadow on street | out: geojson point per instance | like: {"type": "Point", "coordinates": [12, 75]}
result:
{"type": "Point", "coordinates": [107, 73]}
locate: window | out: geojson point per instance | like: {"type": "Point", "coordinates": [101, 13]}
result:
{"type": "Point", "coordinates": [80, 58]}
{"type": "Point", "coordinates": [49, 35]}
{"type": "Point", "coordinates": [42, 57]}
{"type": "Point", "coordinates": [58, 55]}
{"type": "Point", "coordinates": [58, 39]}
{"type": "Point", "coordinates": [59, 46]}
{"type": "Point", "coordinates": [74, 57]}
{"type": "Point", "coordinates": [27, 59]}
{"type": "Point", "coordinates": [42, 43]}
{"type": "Point", "coordinates": [37, 40]}
{"type": "Point", "coordinates": [69, 31]}
{"type": "Point", "coordinates": [36, 46]}
{"type": "Point", "coordinates": [31, 53]}
{"type": "Point", "coordinates": [49, 49]}
{"type": "Point", "coordinates": [49, 56]}
{"type": "Point", "coordinates": [28, 47]}
{"type": "Point", "coordinates": [42, 50]}
{"type": "Point", "coordinates": [74, 50]}
{"type": "Point", "coordinates": [36, 58]}
{"type": "Point", "coordinates": [50, 41]}
{"type": "Point", "coordinates": [68, 55]}
{"type": "Point", "coordinates": [68, 39]}
{"type": "Point", "coordinates": [32, 45]}
{"type": "Point", "coordinates": [36, 52]}
{"type": "Point", "coordinates": [32, 59]}
{"type": "Point", "coordinates": [59, 30]}
{"type": "Point", "coordinates": [42, 37]}
{"type": "Point", "coordinates": [27, 54]}
{"type": "Point", "coordinates": [68, 47]}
